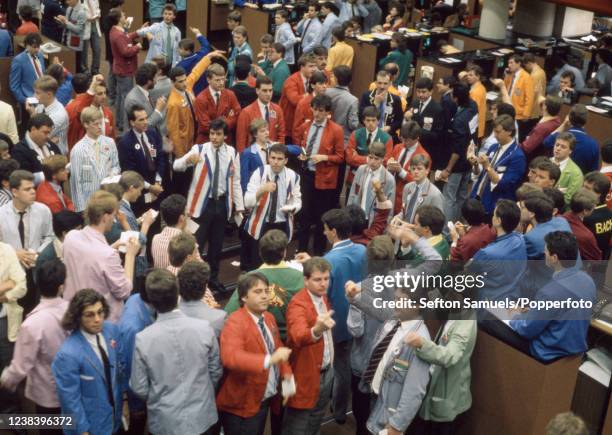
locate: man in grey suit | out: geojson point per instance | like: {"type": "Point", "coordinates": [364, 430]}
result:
{"type": "Point", "coordinates": [193, 278]}
{"type": "Point", "coordinates": [420, 191]}
{"type": "Point", "coordinates": [345, 106]}
{"type": "Point", "coordinates": [139, 95]}
{"type": "Point", "coordinates": [163, 84]}
{"type": "Point", "coordinates": [176, 365]}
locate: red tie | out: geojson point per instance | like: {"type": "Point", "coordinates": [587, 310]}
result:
{"type": "Point", "coordinates": [36, 67]}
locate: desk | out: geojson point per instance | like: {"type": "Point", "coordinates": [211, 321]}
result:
{"type": "Point", "coordinates": [368, 54]}
{"type": "Point", "coordinates": [207, 16]}
{"type": "Point", "coordinates": [513, 393]}
{"type": "Point", "coordinates": [470, 43]}
{"type": "Point", "coordinates": [258, 22]}
{"type": "Point", "coordinates": [134, 9]}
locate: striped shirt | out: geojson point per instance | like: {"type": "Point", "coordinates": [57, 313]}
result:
{"type": "Point", "coordinates": [59, 116]}
{"type": "Point", "coordinates": [91, 161]}
{"type": "Point", "coordinates": [5, 196]}
{"type": "Point", "coordinates": [159, 247]}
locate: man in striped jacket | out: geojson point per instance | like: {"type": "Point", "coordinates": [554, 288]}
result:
{"type": "Point", "coordinates": [215, 194]}
{"type": "Point", "coordinates": [274, 195]}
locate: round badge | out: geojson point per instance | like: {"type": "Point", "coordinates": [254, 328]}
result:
{"type": "Point", "coordinates": [137, 146]}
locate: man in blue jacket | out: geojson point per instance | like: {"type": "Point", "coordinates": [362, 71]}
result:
{"type": "Point", "coordinates": [557, 332]}
{"type": "Point", "coordinates": [26, 67]}
{"type": "Point", "coordinates": [85, 367]}
{"type": "Point", "coordinates": [6, 43]}
{"type": "Point", "coordinates": [190, 57]}
{"type": "Point", "coordinates": [349, 263]}
{"type": "Point", "coordinates": [586, 151]}
{"type": "Point", "coordinates": [137, 315]}
{"type": "Point", "coordinates": [502, 262]}
{"type": "Point", "coordinates": [502, 169]}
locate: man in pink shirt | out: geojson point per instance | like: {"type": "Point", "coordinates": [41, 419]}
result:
{"type": "Point", "coordinates": [92, 263]}
{"type": "Point", "coordinates": [39, 339]}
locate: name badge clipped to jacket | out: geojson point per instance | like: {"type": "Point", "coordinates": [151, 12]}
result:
{"type": "Point", "coordinates": [427, 123]}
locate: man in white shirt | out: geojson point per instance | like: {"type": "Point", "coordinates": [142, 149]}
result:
{"type": "Point", "coordinates": [27, 226]}
{"type": "Point", "coordinates": [8, 124]}
{"type": "Point", "coordinates": [273, 194]}
{"type": "Point", "coordinates": [45, 89]}
{"type": "Point", "coordinates": [215, 194]}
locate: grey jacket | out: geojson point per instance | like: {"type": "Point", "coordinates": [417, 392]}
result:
{"type": "Point", "coordinates": [345, 109]}
{"type": "Point", "coordinates": [161, 89]}
{"type": "Point", "coordinates": [175, 369]}
{"type": "Point", "coordinates": [199, 310]}
{"type": "Point", "coordinates": [429, 194]}
{"type": "Point", "coordinates": [137, 97]}
{"type": "Point", "coordinates": [358, 189]}
{"type": "Point", "coordinates": [374, 16]}
{"type": "Point", "coordinates": [74, 29]}
{"type": "Point", "coordinates": [403, 385]}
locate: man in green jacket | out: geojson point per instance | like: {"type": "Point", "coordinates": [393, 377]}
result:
{"type": "Point", "coordinates": [571, 175]}
{"type": "Point", "coordinates": [285, 281]}
{"type": "Point", "coordinates": [279, 72]}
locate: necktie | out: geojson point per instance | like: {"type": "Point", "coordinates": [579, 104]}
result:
{"type": "Point", "coordinates": [306, 86]}
{"type": "Point", "coordinates": [268, 341]}
{"type": "Point", "coordinates": [485, 178]}
{"type": "Point", "coordinates": [147, 152]}
{"type": "Point", "coordinates": [193, 116]}
{"type": "Point", "coordinates": [402, 160]}
{"type": "Point", "coordinates": [169, 45]}
{"type": "Point", "coordinates": [215, 182]}
{"type": "Point", "coordinates": [21, 228]}
{"type": "Point", "coordinates": [369, 140]}
{"type": "Point", "coordinates": [107, 372]}
{"type": "Point", "coordinates": [353, 10]}
{"type": "Point", "coordinates": [378, 353]}
{"type": "Point", "coordinates": [217, 100]}
{"type": "Point", "coordinates": [420, 107]}
{"type": "Point", "coordinates": [313, 139]}
{"type": "Point", "coordinates": [267, 113]}
{"type": "Point", "coordinates": [273, 203]}
{"type": "Point", "coordinates": [411, 204]}
{"type": "Point", "coordinates": [36, 66]}
{"type": "Point", "coordinates": [381, 120]}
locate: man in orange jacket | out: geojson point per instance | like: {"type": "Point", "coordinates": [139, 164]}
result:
{"type": "Point", "coordinates": [521, 91]}
{"type": "Point", "coordinates": [309, 325]}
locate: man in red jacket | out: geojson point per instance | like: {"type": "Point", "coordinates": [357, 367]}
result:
{"type": "Point", "coordinates": [467, 240]}
{"type": "Point", "coordinates": [582, 204]}
{"type": "Point", "coordinates": [50, 192]}
{"type": "Point", "coordinates": [125, 59]}
{"type": "Point", "coordinates": [309, 325]}
{"type": "Point", "coordinates": [254, 360]}
{"type": "Point", "coordinates": [295, 87]}
{"type": "Point", "coordinates": [94, 96]}
{"type": "Point", "coordinates": [216, 102]}
{"type": "Point", "coordinates": [262, 108]}
{"type": "Point", "coordinates": [323, 152]}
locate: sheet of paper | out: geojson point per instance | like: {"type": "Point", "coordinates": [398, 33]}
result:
{"type": "Point", "coordinates": [191, 226]}
{"type": "Point", "coordinates": [125, 237]}
{"type": "Point", "coordinates": [596, 109]}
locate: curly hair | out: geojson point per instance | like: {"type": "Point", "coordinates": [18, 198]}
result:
{"type": "Point", "coordinates": [83, 298]}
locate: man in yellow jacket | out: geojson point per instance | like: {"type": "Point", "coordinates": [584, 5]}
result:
{"type": "Point", "coordinates": [180, 114]}
{"type": "Point", "coordinates": [519, 85]}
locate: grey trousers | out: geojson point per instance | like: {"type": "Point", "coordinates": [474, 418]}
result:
{"type": "Point", "coordinates": [308, 421]}
{"type": "Point", "coordinates": [455, 193]}
{"type": "Point", "coordinates": [124, 86]}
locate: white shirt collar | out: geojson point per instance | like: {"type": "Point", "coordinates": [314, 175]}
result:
{"type": "Point", "coordinates": [276, 63]}
{"type": "Point", "coordinates": [254, 317]}
{"type": "Point", "coordinates": [262, 108]}
{"type": "Point", "coordinates": [562, 164]}
{"type": "Point", "coordinates": [32, 145]}
{"type": "Point", "coordinates": [606, 169]}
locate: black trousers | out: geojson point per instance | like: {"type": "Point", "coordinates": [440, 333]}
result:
{"type": "Point", "coordinates": [236, 425]}
{"type": "Point", "coordinates": [43, 410]}
{"type": "Point", "coordinates": [315, 202]}
{"type": "Point", "coordinates": [212, 230]}
{"type": "Point", "coordinates": [361, 406]}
